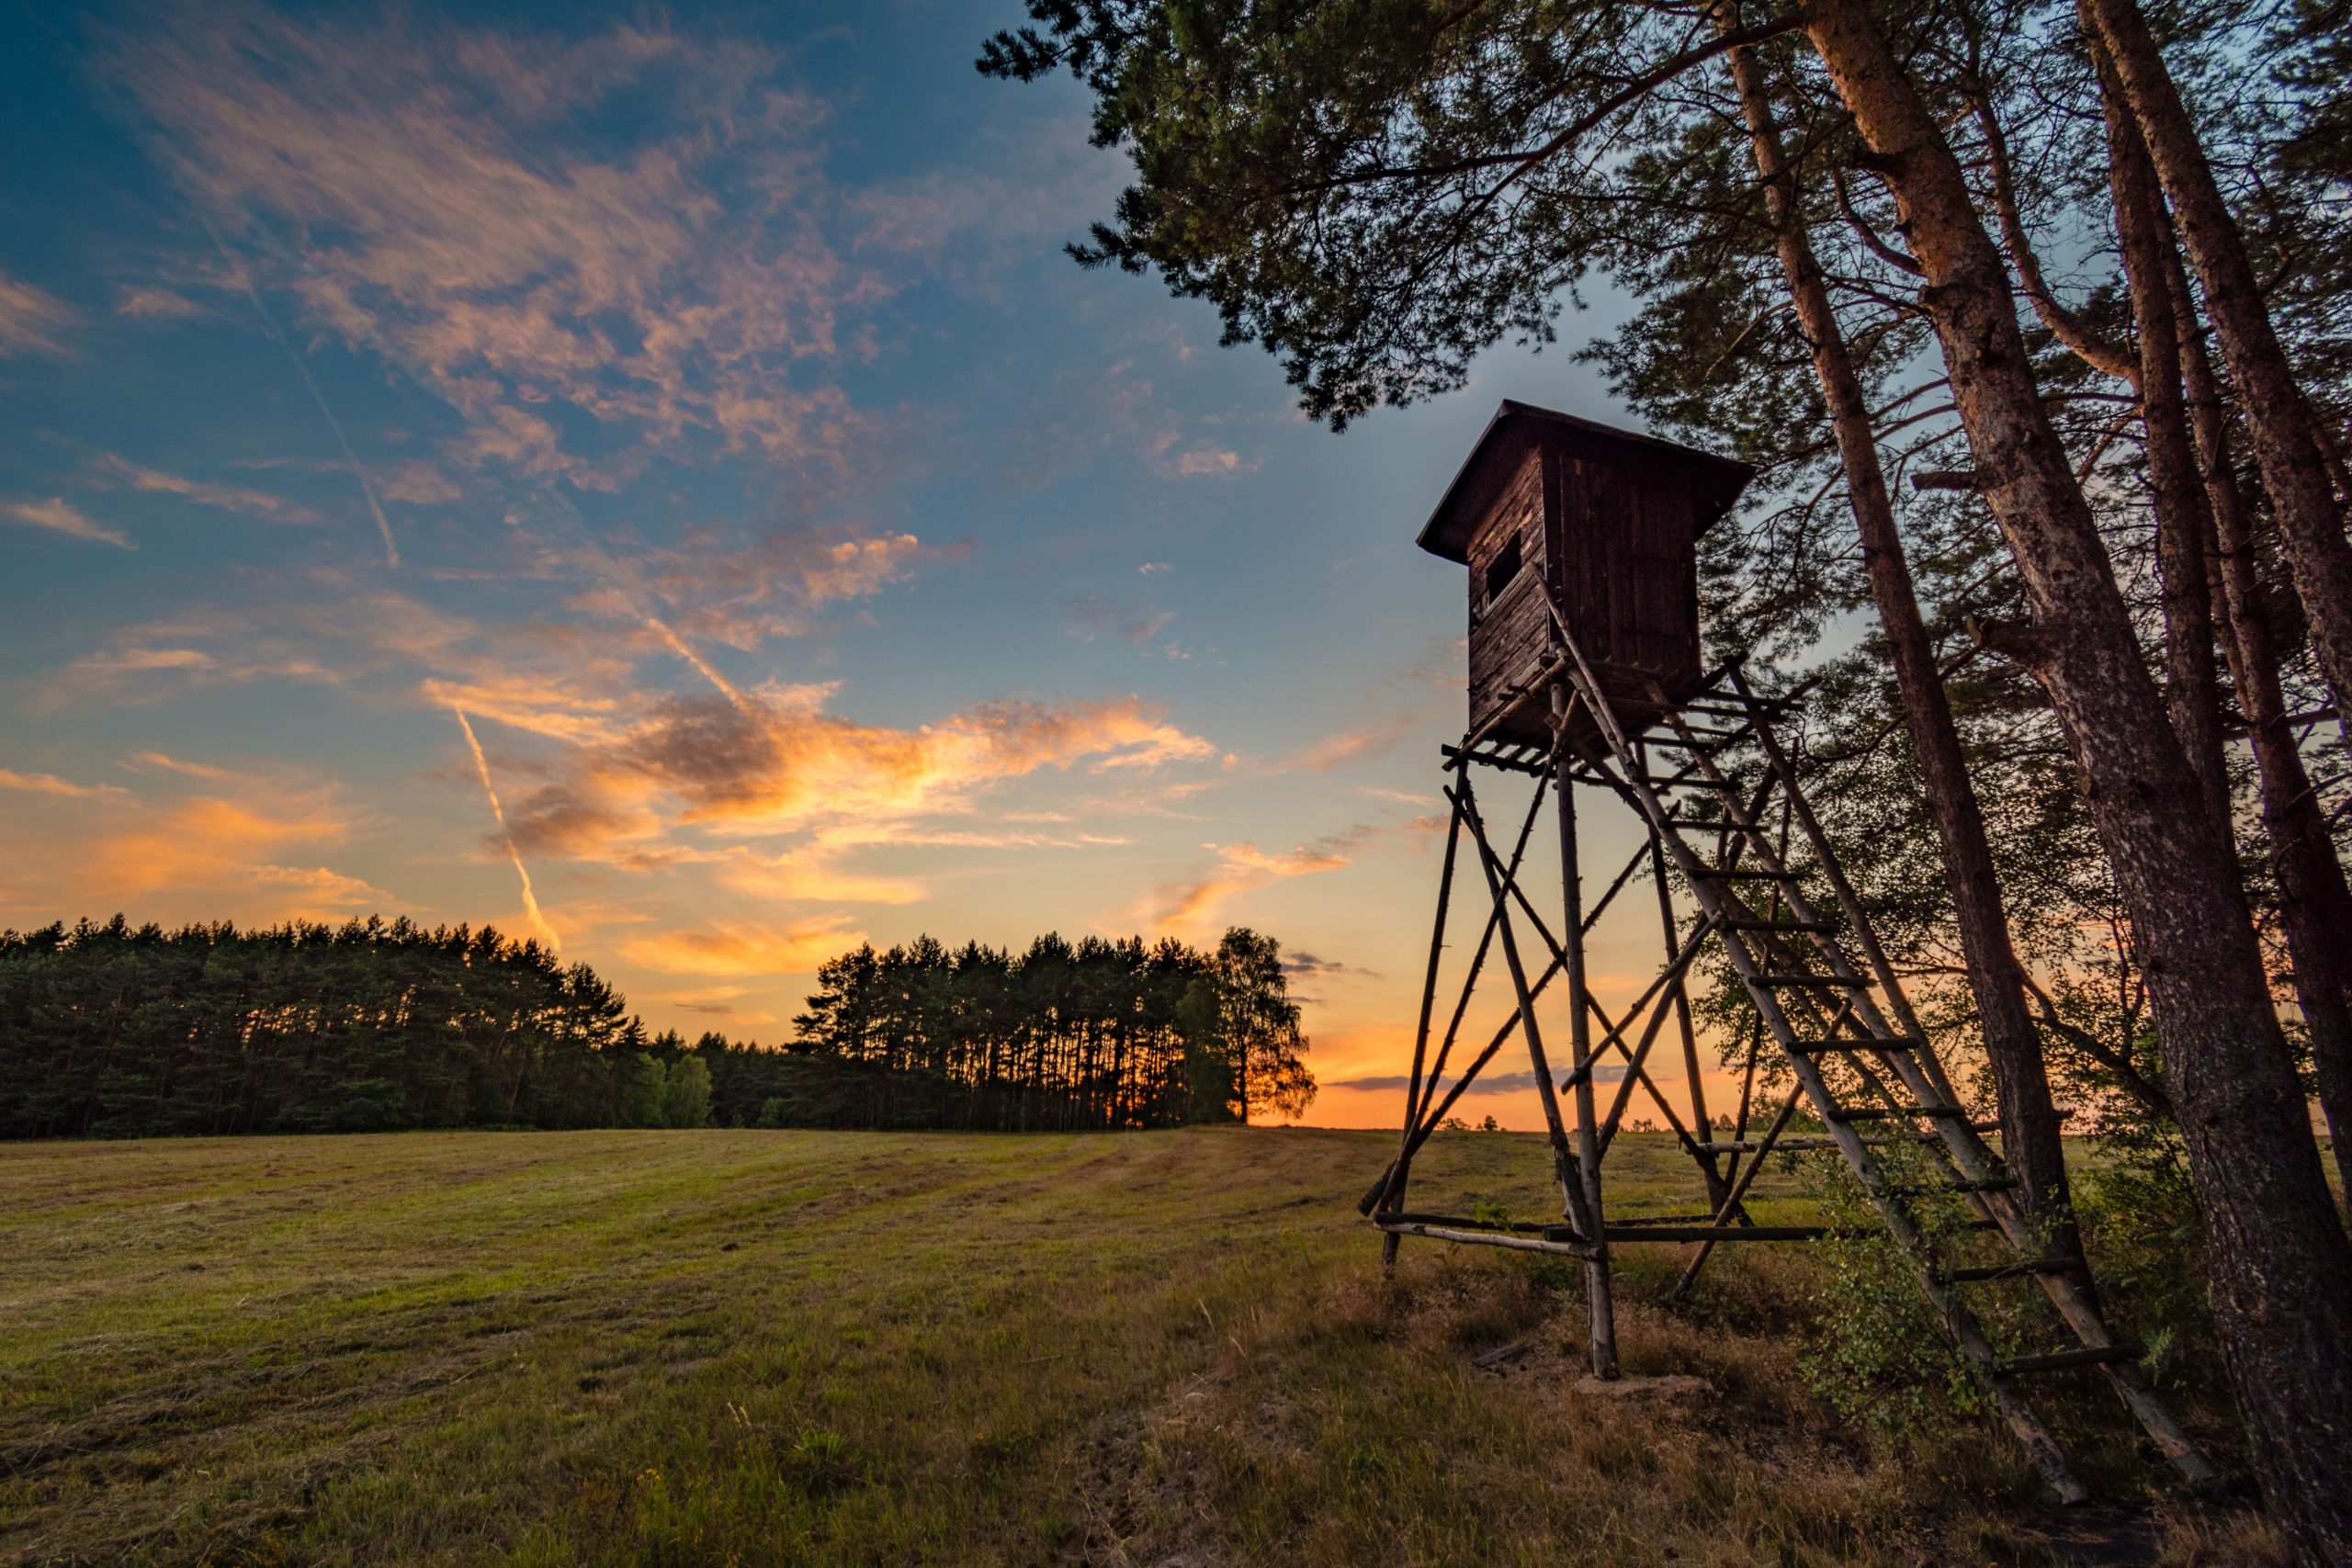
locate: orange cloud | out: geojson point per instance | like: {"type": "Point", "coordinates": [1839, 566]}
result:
{"type": "Point", "coordinates": [1348, 747]}
{"type": "Point", "coordinates": [774, 764]}
{"type": "Point", "coordinates": [208, 841]}
{"type": "Point", "coordinates": [254, 855]}
{"type": "Point", "coordinates": [1240, 868]}
{"type": "Point", "coordinates": [49, 784]}
{"type": "Point", "coordinates": [744, 950]}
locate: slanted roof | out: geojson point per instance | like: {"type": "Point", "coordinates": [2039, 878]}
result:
{"type": "Point", "coordinates": [1491, 463]}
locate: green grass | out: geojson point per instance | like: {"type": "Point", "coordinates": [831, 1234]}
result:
{"type": "Point", "coordinates": [752, 1347]}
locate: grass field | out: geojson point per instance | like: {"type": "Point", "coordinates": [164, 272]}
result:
{"type": "Point", "coordinates": [1169, 1349]}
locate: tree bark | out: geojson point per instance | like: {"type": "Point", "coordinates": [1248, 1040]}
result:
{"type": "Point", "coordinates": [2314, 901]}
{"type": "Point", "coordinates": [2288, 446]}
{"type": "Point", "coordinates": [2031, 1142]}
{"type": "Point", "coordinates": [2281, 1264]}
{"type": "Point", "coordinates": [2192, 691]}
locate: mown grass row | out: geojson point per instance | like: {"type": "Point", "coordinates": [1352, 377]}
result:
{"type": "Point", "coordinates": [724, 1346]}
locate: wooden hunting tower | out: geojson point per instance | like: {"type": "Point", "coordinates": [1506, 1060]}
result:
{"type": "Point", "coordinates": [1606, 520]}
{"type": "Point", "coordinates": [1582, 544]}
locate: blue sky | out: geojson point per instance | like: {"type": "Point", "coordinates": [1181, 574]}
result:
{"type": "Point", "coordinates": [693, 411]}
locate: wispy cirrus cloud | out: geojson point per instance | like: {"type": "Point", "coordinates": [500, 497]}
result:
{"type": "Point", "coordinates": [33, 320]}
{"type": "Point", "coordinates": [239, 499]}
{"type": "Point", "coordinates": [1240, 868]}
{"type": "Point", "coordinates": [1193, 905]}
{"type": "Point", "coordinates": [59, 516]}
{"type": "Point", "coordinates": [443, 208]}
{"type": "Point", "coordinates": [774, 584]}
{"type": "Point", "coordinates": [1346, 748]}
{"type": "Point", "coordinates": [152, 304]}
{"type": "Point", "coordinates": [49, 784]}
{"type": "Point", "coordinates": [1087, 616]}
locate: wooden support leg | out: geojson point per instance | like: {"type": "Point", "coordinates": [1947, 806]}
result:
{"type": "Point", "coordinates": [1395, 1198]}
{"type": "Point", "coordinates": [1599, 1307]}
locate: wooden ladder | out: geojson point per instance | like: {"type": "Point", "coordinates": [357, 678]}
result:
{"type": "Point", "coordinates": [1851, 1038]}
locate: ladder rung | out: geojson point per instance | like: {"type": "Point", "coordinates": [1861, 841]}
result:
{"type": "Point", "coordinates": [1896, 1113]}
{"type": "Point", "coordinates": [2058, 1360]}
{"type": "Point", "coordinates": [1803, 1142]}
{"type": "Point", "coordinates": [1891, 1043]}
{"type": "Point", "coordinates": [1815, 982]}
{"type": "Point", "coordinates": [1716, 1232]}
{"type": "Point", "coordinates": [2015, 1270]}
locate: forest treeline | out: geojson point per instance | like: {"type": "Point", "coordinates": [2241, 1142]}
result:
{"type": "Point", "coordinates": [109, 1029]}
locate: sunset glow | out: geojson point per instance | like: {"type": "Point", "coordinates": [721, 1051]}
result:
{"type": "Point", "coordinates": [658, 487]}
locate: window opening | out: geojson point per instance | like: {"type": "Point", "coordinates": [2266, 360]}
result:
{"type": "Point", "coordinates": [1503, 570]}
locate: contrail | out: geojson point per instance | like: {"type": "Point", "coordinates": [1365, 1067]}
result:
{"type": "Point", "coordinates": [481, 766]}
{"type": "Point", "coordinates": [678, 646]}
{"type": "Point", "coordinates": [269, 325]}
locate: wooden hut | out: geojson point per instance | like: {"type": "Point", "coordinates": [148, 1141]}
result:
{"type": "Point", "coordinates": [1603, 523]}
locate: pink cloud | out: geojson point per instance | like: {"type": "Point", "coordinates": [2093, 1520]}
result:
{"type": "Point", "coordinates": [32, 321]}
{"type": "Point", "coordinates": [447, 220]}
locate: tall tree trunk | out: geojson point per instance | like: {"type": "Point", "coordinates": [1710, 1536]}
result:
{"type": "Point", "coordinates": [2289, 446]}
{"type": "Point", "coordinates": [2192, 695]}
{"type": "Point", "coordinates": [2030, 1139]}
{"type": "Point", "coordinates": [2315, 906]}
{"type": "Point", "coordinates": [2314, 902]}
{"type": "Point", "coordinates": [2281, 1264]}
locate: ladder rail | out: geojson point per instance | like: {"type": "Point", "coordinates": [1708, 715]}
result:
{"type": "Point", "coordinates": [1921, 1072]}
{"type": "Point", "coordinates": [2024, 1422]}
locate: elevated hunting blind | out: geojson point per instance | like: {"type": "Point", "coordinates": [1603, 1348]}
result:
{"type": "Point", "coordinates": [1551, 509]}
{"type": "Point", "coordinates": [1586, 670]}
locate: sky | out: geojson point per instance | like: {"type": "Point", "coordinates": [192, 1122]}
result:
{"type": "Point", "coordinates": [650, 480]}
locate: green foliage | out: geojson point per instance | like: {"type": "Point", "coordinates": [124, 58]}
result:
{"type": "Point", "coordinates": [685, 1094]}
{"type": "Point", "coordinates": [1258, 1026]}
{"type": "Point", "coordinates": [1881, 1357]}
{"type": "Point", "coordinates": [111, 1031]}
{"type": "Point", "coordinates": [821, 1461]}
{"type": "Point", "coordinates": [380, 1026]}
{"type": "Point", "coordinates": [644, 1093]}
{"type": "Point", "coordinates": [1374, 190]}
{"type": "Point", "coordinates": [1209, 1087]}
{"type": "Point", "coordinates": [1064, 1036]}
{"type": "Point", "coordinates": [2145, 1239]}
